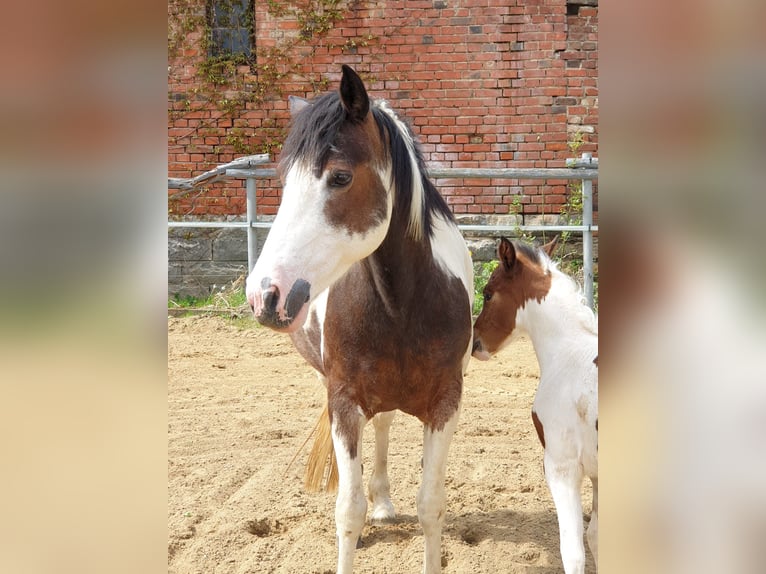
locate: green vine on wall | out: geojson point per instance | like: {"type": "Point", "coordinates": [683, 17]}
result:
{"type": "Point", "coordinates": [229, 82]}
{"type": "Point", "coordinates": [571, 211]}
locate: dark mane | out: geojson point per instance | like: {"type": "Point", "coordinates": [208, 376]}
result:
{"type": "Point", "coordinates": [531, 252]}
{"type": "Point", "coordinates": [403, 174]}
{"type": "Point", "coordinates": [315, 130]}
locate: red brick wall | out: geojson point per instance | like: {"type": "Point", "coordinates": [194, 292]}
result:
{"type": "Point", "coordinates": [483, 83]}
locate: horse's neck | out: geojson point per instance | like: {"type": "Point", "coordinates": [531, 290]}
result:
{"type": "Point", "coordinates": [394, 266]}
{"type": "Point", "coordinates": [559, 327]}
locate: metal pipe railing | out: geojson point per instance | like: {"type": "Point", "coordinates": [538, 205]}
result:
{"type": "Point", "coordinates": [585, 169]}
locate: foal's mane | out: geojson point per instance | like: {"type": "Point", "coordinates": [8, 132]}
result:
{"type": "Point", "coordinates": [565, 283]}
{"type": "Point", "coordinates": [315, 130]}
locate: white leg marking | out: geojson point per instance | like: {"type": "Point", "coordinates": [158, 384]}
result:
{"type": "Point", "coordinates": [564, 480]}
{"type": "Point", "coordinates": [380, 487]}
{"type": "Point", "coordinates": [350, 506]}
{"type": "Point", "coordinates": [431, 496]}
{"type": "Point", "coordinates": [592, 532]}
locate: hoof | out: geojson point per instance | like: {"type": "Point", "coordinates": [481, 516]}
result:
{"type": "Point", "coordinates": [383, 512]}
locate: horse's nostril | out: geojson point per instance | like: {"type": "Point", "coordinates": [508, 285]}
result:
{"type": "Point", "coordinates": [476, 345]}
{"type": "Point", "coordinates": [299, 295]}
{"type": "Point", "coordinates": [270, 299]}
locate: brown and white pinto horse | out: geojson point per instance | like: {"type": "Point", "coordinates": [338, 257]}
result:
{"type": "Point", "coordinates": [528, 293]}
{"type": "Point", "coordinates": [366, 270]}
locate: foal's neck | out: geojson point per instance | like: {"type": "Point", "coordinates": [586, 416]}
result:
{"type": "Point", "coordinates": [559, 326]}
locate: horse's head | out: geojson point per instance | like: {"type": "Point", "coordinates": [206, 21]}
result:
{"type": "Point", "coordinates": [520, 276]}
{"type": "Point", "coordinates": [336, 204]}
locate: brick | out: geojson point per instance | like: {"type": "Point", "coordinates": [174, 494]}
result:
{"type": "Point", "coordinates": [484, 88]}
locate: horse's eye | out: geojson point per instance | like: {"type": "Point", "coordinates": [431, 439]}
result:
{"type": "Point", "coordinates": [487, 297]}
{"type": "Point", "coordinates": [340, 178]}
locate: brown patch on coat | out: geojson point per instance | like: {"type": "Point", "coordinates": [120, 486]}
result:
{"type": "Point", "coordinates": [581, 406]}
{"type": "Point", "coordinates": [518, 279]}
{"type": "Point", "coordinates": [539, 428]}
{"type": "Point", "coordinates": [396, 331]}
{"type": "Point", "coordinates": [364, 204]}
{"type": "Point", "coordinates": [345, 414]}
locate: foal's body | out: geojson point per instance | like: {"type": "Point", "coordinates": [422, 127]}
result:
{"type": "Point", "coordinates": [528, 293]}
{"type": "Point", "coordinates": [366, 269]}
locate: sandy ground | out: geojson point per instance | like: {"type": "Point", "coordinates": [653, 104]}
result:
{"type": "Point", "coordinates": [242, 402]}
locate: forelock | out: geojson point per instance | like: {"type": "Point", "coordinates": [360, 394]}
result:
{"type": "Point", "coordinates": [313, 132]}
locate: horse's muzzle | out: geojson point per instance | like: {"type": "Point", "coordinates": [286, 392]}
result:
{"type": "Point", "coordinates": [478, 350]}
{"type": "Point", "coordinates": [272, 311]}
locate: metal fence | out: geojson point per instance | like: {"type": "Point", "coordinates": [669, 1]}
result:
{"type": "Point", "coordinates": [584, 169]}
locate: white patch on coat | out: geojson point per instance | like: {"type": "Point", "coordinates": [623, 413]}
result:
{"type": "Point", "coordinates": [452, 256]}
{"type": "Point", "coordinates": [302, 244]}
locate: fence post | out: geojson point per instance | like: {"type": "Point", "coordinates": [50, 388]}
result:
{"type": "Point", "coordinates": [252, 238]}
{"type": "Point", "coordinates": [587, 235]}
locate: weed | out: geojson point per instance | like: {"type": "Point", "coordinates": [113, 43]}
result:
{"type": "Point", "coordinates": [481, 273]}
{"type": "Point", "coordinates": [226, 299]}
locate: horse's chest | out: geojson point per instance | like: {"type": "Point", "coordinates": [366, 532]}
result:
{"type": "Point", "coordinates": [383, 367]}
{"type": "Point", "coordinates": [389, 347]}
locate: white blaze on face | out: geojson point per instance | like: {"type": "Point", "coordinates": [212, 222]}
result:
{"type": "Point", "coordinates": [302, 244]}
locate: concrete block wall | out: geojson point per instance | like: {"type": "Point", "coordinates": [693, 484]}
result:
{"type": "Point", "coordinates": [202, 260]}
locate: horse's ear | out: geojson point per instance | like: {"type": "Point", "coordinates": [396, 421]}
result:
{"type": "Point", "coordinates": [353, 95]}
{"type": "Point", "coordinates": [550, 247]}
{"type": "Point", "coordinates": [506, 253]}
{"type": "Point", "coordinates": [296, 104]}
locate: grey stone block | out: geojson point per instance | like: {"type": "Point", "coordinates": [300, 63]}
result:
{"type": "Point", "coordinates": [199, 278]}
{"type": "Point", "coordinates": [230, 245]}
{"type": "Point", "coordinates": [547, 219]}
{"type": "Point", "coordinates": [483, 249]}
{"type": "Point", "coordinates": [175, 271]}
{"type": "Point", "coordinates": [189, 246]}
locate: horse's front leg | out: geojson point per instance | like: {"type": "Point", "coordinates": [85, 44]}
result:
{"type": "Point", "coordinates": [350, 505]}
{"type": "Point", "coordinates": [431, 497]}
{"type": "Point", "coordinates": [564, 478]}
{"type": "Point", "coordinates": [379, 493]}
{"type": "Point", "coordinates": [591, 534]}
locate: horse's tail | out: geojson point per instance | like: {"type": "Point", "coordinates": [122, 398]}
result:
{"type": "Point", "coordinates": [322, 467]}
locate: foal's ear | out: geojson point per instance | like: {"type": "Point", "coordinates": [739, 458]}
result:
{"type": "Point", "coordinates": [506, 253]}
{"type": "Point", "coordinates": [550, 247]}
{"type": "Point", "coordinates": [353, 95]}
{"type": "Point", "coordinates": [296, 104]}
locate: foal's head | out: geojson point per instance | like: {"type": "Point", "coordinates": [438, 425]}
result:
{"type": "Point", "coordinates": [336, 203]}
{"type": "Point", "coordinates": [523, 274]}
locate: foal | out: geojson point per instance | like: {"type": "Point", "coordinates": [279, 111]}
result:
{"type": "Point", "coordinates": [528, 293]}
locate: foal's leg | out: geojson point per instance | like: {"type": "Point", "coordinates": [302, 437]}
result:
{"type": "Point", "coordinates": [350, 505]}
{"type": "Point", "coordinates": [380, 487]}
{"type": "Point", "coordinates": [431, 496]}
{"type": "Point", "coordinates": [564, 479]}
{"type": "Point", "coordinates": [592, 532]}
